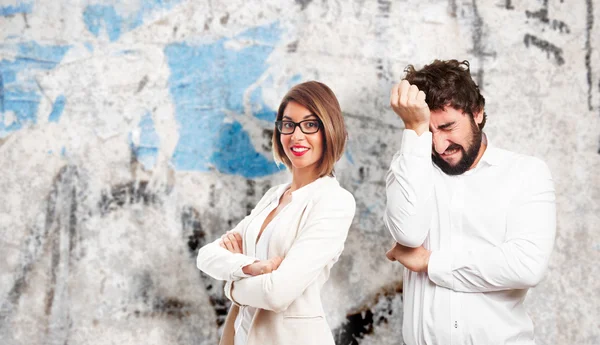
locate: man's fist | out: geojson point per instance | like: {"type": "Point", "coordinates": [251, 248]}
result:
{"type": "Point", "coordinates": [409, 103]}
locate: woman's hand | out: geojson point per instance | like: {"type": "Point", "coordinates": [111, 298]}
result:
{"type": "Point", "coordinates": [262, 266]}
{"type": "Point", "coordinates": [232, 241]}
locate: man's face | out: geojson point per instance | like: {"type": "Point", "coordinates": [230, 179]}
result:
{"type": "Point", "coordinates": [456, 140]}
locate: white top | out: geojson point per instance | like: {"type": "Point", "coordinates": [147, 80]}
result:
{"type": "Point", "coordinates": [491, 231]}
{"type": "Point", "coordinates": [244, 318]}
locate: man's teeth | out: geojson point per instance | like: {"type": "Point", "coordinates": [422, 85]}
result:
{"type": "Point", "coordinates": [299, 149]}
{"type": "Point", "coordinates": [448, 153]}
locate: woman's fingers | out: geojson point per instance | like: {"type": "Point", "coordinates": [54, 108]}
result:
{"type": "Point", "coordinates": [239, 241]}
{"type": "Point", "coordinates": [234, 243]}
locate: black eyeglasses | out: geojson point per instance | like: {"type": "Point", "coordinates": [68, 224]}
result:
{"type": "Point", "coordinates": [306, 126]}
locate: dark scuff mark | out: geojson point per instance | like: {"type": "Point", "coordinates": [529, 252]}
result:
{"type": "Point", "coordinates": [127, 193]}
{"type": "Point", "coordinates": [588, 49]}
{"type": "Point", "coordinates": [250, 188]}
{"type": "Point", "coordinates": [224, 19]}
{"type": "Point", "coordinates": [477, 37]}
{"type": "Point", "coordinates": [26, 20]}
{"type": "Point", "coordinates": [362, 174]}
{"type": "Point", "coordinates": [546, 46]}
{"type": "Point", "coordinates": [162, 307]}
{"type": "Point", "coordinates": [560, 26]}
{"type": "Point", "coordinates": [542, 16]}
{"type": "Point", "coordinates": [362, 322]}
{"type": "Point", "coordinates": [508, 5]}
{"type": "Point", "coordinates": [249, 207]}
{"type": "Point", "coordinates": [60, 226]}
{"type": "Point", "coordinates": [266, 187]}
{"type": "Point", "coordinates": [384, 6]}
{"type": "Point", "coordinates": [212, 195]}
{"type": "Point", "coordinates": [73, 220]}
{"type": "Point", "coordinates": [175, 28]}
{"type": "Point", "coordinates": [303, 3]}
{"type": "Point", "coordinates": [452, 8]}
{"type": "Point", "coordinates": [54, 261]}
{"type": "Point", "coordinates": [172, 307]}
{"type": "Point", "coordinates": [380, 69]}
{"type": "Point", "coordinates": [190, 222]}
{"type": "Point", "coordinates": [144, 284]}
{"type": "Point", "coordinates": [292, 47]}
{"type": "Point", "coordinates": [62, 238]}
{"type": "Point", "coordinates": [267, 135]}
{"type": "Point", "coordinates": [219, 303]}
{"type": "Point", "coordinates": [142, 83]}
{"type": "Point", "coordinates": [355, 328]}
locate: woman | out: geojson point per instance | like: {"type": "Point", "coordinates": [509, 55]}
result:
{"type": "Point", "coordinates": [276, 260]}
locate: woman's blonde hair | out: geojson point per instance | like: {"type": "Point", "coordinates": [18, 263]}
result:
{"type": "Point", "coordinates": [320, 101]}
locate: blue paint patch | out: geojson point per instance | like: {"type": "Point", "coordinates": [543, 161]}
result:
{"type": "Point", "coordinates": [8, 76]}
{"type": "Point", "coordinates": [99, 16]}
{"type": "Point", "coordinates": [1, 94]}
{"type": "Point", "coordinates": [57, 109]}
{"type": "Point", "coordinates": [295, 80]}
{"type": "Point", "coordinates": [146, 151]}
{"type": "Point", "coordinates": [20, 97]}
{"type": "Point", "coordinates": [89, 46]}
{"type": "Point", "coordinates": [236, 156]}
{"type": "Point", "coordinates": [349, 156]}
{"type": "Point", "coordinates": [22, 106]}
{"type": "Point", "coordinates": [260, 109]}
{"type": "Point", "coordinates": [207, 81]}
{"type": "Point", "coordinates": [22, 7]}
{"type": "Point", "coordinates": [63, 151]}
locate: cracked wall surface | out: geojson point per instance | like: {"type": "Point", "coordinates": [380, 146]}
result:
{"type": "Point", "coordinates": [132, 133]}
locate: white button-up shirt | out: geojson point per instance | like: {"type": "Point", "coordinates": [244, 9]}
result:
{"type": "Point", "coordinates": [491, 231]}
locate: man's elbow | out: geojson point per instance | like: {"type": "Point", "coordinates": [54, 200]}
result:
{"type": "Point", "coordinates": [405, 238]}
{"type": "Point", "coordinates": [533, 276]}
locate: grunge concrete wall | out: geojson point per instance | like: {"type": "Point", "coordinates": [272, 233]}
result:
{"type": "Point", "coordinates": [132, 133]}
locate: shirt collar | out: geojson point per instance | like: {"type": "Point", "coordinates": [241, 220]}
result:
{"type": "Point", "coordinates": [491, 155]}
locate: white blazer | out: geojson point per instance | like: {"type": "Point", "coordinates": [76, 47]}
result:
{"type": "Point", "coordinates": [310, 237]}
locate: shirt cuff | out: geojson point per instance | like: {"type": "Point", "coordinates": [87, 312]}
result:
{"type": "Point", "coordinates": [440, 269]}
{"type": "Point", "coordinates": [238, 273]}
{"type": "Point", "coordinates": [415, 145]}
{"type": "Point", "coordinates": [228, 289]}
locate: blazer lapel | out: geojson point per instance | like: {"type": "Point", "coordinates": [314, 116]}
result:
{"type": "Point", "coordinates": [249, 237]}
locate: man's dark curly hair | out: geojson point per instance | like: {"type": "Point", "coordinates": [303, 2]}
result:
{"type": "Point", "coordinates": [448, 83]}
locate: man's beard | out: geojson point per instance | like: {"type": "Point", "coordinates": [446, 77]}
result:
{"type": "Point", "coordinates": [468, 157]}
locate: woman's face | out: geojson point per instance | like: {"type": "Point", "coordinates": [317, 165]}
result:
{"type": "Point", "coordinates": [303, 150]}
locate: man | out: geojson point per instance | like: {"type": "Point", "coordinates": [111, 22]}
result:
{"type": "Point", "coordinates": [474, 224]}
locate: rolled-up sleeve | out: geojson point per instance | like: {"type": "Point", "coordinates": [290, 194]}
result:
{"type": "Point", "coordinates": [409, 190]}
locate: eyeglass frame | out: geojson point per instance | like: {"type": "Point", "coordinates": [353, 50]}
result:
{"type": "Point", "coordinates": [297, 124]}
